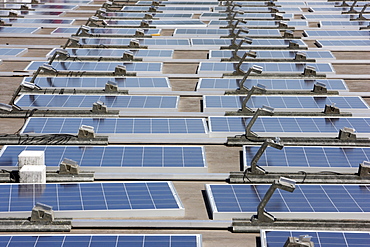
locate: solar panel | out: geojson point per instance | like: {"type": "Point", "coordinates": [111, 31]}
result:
{"type": "Point", "coordinates": [98, 66]}
{"type": "Point", "coordinates": [208, 32]}
{"type": "Point", "coordinates": [108, 240]}
{"type": "Point", "coordinates": [106, 126]}
{"type": "Point", "coordinates": [274, 84]}
{"type": "Point", "coordinates": [12, 51]}
{"type": "Point", "coordinates": [319, 16]}
{"type": "Point", "coordinates": [38, 6]}
{"type": "Point", "coordinates": [179, 3]}
{"type": "Point", "coordinates": [241, 200]}
{"type": "Point", "coordinates": [267, 67]}
{"type": "Point", "coordinates": [99, 82]}
{"type": "Point", "coordinates": [333, 9]}
{"type": "Point", "coordinates": [66, 1]}
{"type": "Point", "coordinates": [107, 31]}
{"type": "Point", "coordinates": [337, 33]}
{"type": "Point", "coordinates": [263, 16]}
{"type": "Point", "coordinates": [115, 53]}
{"type": "Point", "coordinates": [320, 238]}
{"type": "Point", "coordinates": [308, 157]}
{"type": "Point", "coordinates": [288, 126]}
{"type": "Point", "coordinates": [120, 102]}
{"type": "Point", "coordinates": [161, 8]}
{"type": "Point", "coordinates": [115, 158]}
{"type": "Point", "coordinates": [275, 54]}
{"type": "Point", "coordinates": [37, 21]}
{"type": "Point", "coordinates": [142, 15]}
{"type": "Point", "coordinates": [254, 24]}
{"type": "Point", "coordinates": [147, 42]}
{"type": "Point", "coordinates": [42, 13]}
{"type": "Point", "coordinates": [346, 43]}
{"type": "Point", "coordinates": [28, 30]}
{"type": "Point", "coordinates": [255, 43]}
{"type": "Point", "coordinates": [93, 200]}
{"type": "Point", "coordinates": [232, 102]}
{"type": "Point", "coordinates": [156, 23]}
{"type": "Point", "coordinates": [344, 23]}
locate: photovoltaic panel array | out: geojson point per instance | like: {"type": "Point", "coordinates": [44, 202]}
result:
{"type": "Point", "coordinates": [106, 31]}
{"type": "Point", "coordinates": [99, 82]}
{"type": "Point", "coordinates": [323, 157]}
{"type": "Point", "coordinates": [208, 32]}
{"type": "Point", "coordinates": [346, 43]}
{"type": "Point", "coordinates": [212, 102]}
{"type": "Point", "coordinates": [129, 15]}
{"type": "Point", "coordinates": [267, 67]}
{"type": "Point", "coordinates": [94, 200]}
{"type": "Point", "coordinates": [241, 200]}
{"type": "Point", "coordinates": [263, 16]}
{"type": "Point", "coordinates": [330, 16]}
{"type": "Point", "coordinates": [28, 30]}
{"type": "Point", "coordinates": [256, 42]}
{"type": "Point", "coordinates": [12, 51]}
{"type": "Point", "coordinates": [337, 33]}
{"type": "Point", "coordinates": [260, 24]}
{"type": "Point", "coordinates": [119, 42]}
{"type": "Point", "coordinates": [156, 23]}
{"type": "Point", "coordinates": [275, 84]}
{"type": "Point", "coordinates": [276, 54]}
{"type": "Point", "coordinates": [344, 23]}
{"type": "Point", "coordinates": [115, 53]}
{"type": "Point", "coordinates": [108, 240]}
{"type": "Point", "coordinates": [101, 158]}
{"type": "Point", "coordinates": [98, 66]}
{"type": "Point", "coordinates": [106, 126]}
{"type": "Point", "coordinates": [37, 21]}
{"type": "Point", "coordinates": [271, 238]}
{"type": "Point", "coordinates": [43, 101]}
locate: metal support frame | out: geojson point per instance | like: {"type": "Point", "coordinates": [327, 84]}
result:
{"type": "Point", "coordinates": [69, 167]}
{"type": "Point", "coordinates": [93, 21]}
{"type": "Point", "coordinates": [59, 54]}
{"type": "Point", "coordinates": [27, 85]}
{"type": "Point", "coordinates": [283, 184]}
{"type": "Point", "coordinates": [301, 241]}
{"type": "Point", "coordinates": [86, 132]}
{"type": "Point", "coordinates": [42, 212]}
{"type": "Point", "coordinates": [99, 108]}
{"type": "Point", "coordinates": [236, 47]}
{"type": "Point", "coordinates": [361, 14]}
{"type": "Point", "coordinates": [245, 108]}
{"type": "Point", "coordinates": [264, 110]}
{"type": "Point", "coordinates": [72, 42]}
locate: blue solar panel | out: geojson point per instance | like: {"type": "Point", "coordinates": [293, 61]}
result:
{"type": "Point", "coordinates": [36, 21]}
{"type": "Point", "coordinates": [323, 157]}
{"type": "Point", "coordinates": [98, 66]}
{"type": "Point", "coordinates": [93, 197]}
{"type": "Point", "coordinates": [330, 16]}
{"type": "Point", "coordinates": [346, 43]}
{"type": "Point", "coordinates": [267, 67]}
{"type": "Point", "coordinates": [42, 13]}
{"type": "Point", "coordinates": [254, 24]}
{"type": "Point", "coordinates": [106, 126]}
{"type": "Point", "coordinates": [252, 32]}
{"type": "Point", "coordinates": [99, 82]}
{"type": "Point", "coordinates": [112, 156]}
{"type": "Point", "coordinates": [319, 238]}
{"type": "Point", "coordinates": [337, 33]}
{"type": "Point", "coordinates": [107, 31]}
{"type": "Point", "coordinates": [12, 51]}
{"type": "Point", "coordinates": [28, 30]}
{"type": "Point", "coordinates": [256, 42]}
{"type": "Point", "coordinates": [149, 42]}
{"type": "Point", "coordinates": [244, 198]}
{"type": "Point", "coordinates": [129, 15]}
{"type": "Point", "coordinates": [146, 9]}
{"type": "Point", "coordinates": [155, 22]}
{"type": "Point", "coordinates": [288, 124]}
{"type": "Point", "coordinates": [280, 84]}
{"type": "Point", "coordinates": [115, 53]}
{"type": "Point", "coordinates": [108, 240]}
{"type": "Point", "coordinates": [285, 102]}
{"type": "Point", "coordinates": [276, 54]}
{"type": "Point", "coordinates": [344, 23]}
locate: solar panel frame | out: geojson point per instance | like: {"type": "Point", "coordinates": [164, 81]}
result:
{"type": "Point", "coordinates": [85, 102]}
{"type": "Point", "coordinates": [266, 54]}
{"type": "Point", "coordinates": [274, 238]}
{"type": "Point", "coordinates": [116, 158]}
{"type": "Point", "coordinates": [211, 84]}
{"type": "Point", "coordinates": [288, 126]}
{"type": "Point", "coordinates": [307, 201]}
{"type": "Point", "coordinates": [308, 158]}
{"type": "Point", "coordinates": [131, 83]}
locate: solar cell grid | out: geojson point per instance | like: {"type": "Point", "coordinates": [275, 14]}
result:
{"type": "Point", "coordinates": [115, 52]}
{"type": "Point", "coordinates": [86, 101]}
{"type": "Point", "coordinates": [232, 200]}
{"type": "Point", "coordinates": [108, 240]}
{"type": "Point", "coordinates": [98, 66]}
{"type": "Point", "coordinates": [344, 23]}
{"type": "Point", "coordinates": [112, 156]}
{"type": "Point", "coordinates": [99, 82]}
{"type": "Point", "coordinates": [261, 23]}
{"type": "Point", "coordinates": [276, 54]}
{"type": "Point", "coordinates": [299, 102]}
{"type": "Point", "coordinates": [255, 42]}
{"type": "Point", "coordinates": [320, 238]}
{"type": "Point", "coordinates": [149, 42]}
{"type": "Point", "coordinates": [283, 84]}
{"type": "Point", "coordinates": [37, 21]}
{"type": "Point", "coordinates": [107, 31]}
{"type": "Point", "coordinates": [28, 30]}
{"type": "Point", "coordinates": [98, 198]}
{"type": "Point", "coordinates": [107, 126]}
{"type": "Point", "coordinates": [154, 22]}
{"type": "Point", "coordinates": [336, 33]}
{"type": "Point", "coordinates": [12, 51]}
{"type": "Point", "coordinates": [208, 31]}
{"type": "Point", "coordinates": [323, 157]}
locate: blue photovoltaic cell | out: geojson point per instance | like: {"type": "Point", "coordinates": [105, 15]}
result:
{"type": "Point", "coordinates": [117, 125]}
{"type": "Point", "coordinates": [107, 31]}
{"type": "Point", "coordinates": [308, 156]}
{"type": "Point", "coordinates": [344, 23]}
{"type": "Point", "coordinates": [115, 52]}
{"type": "Point", "coordinates": [161, 8]}
{"type": "Point", "coordinates": [281, 84]}
{"type": "Point", "coordinates": [110, 42]}
{"type": "Point", "coordinates": [276, 54]}
{"type": "Point", "coordinates": [305, 198]}
{"type": "Point", "coordinates": [154, 22]}
{"type": "Point", "coordinates": [333, 16]}
{"type": "Point", "coordinates": [86, 101]}
{"type": "Point", "coordinates": [263, 16]}
{"type": "Point", "coordinates": [252, 32]}
{"type": "Point", "coordinates": [319, 238]}
{"type": "Point", "coordinates": [108, 240]}
{"type": "Point", "coordinates": [267, 67]}
{"type": "Point", "coordinates": [88, 196]}
{"type": "Point", "coordinates": [38, 6]}
{"type": "Point", "coordinates": [323, 43]}
{"type": "Point", "coordinates": [333, 9]}
{"type": "Point", "coordinates": [336, 33]}
{"type": "Point", "coordinates": [299, 102]}
{"type": "Point", "coordinates": [36, 21]}
{"type": "Point", "coordinates": [129, 15]}
{"type": "Point", "coordinates": [66, 1]}
{"type": "Point", "coordinates": [289, 124]}
{"type": "Point", "coordinates": [111, 156]}
{"type": "Point", "coordinates": [11, 51]}
{"type": "Point", "coordinates": [178, 3]}
{"type": "Point", "coordinates": [98, 66]}
{"type": "Point", "coordinates": [261, 23]}
{"type": "Point", "coordinates": [18, 29]}
{"type": "Point", "coordinates": [99, 82]}
{"type": "Point", "coordinates": [256, 42]}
